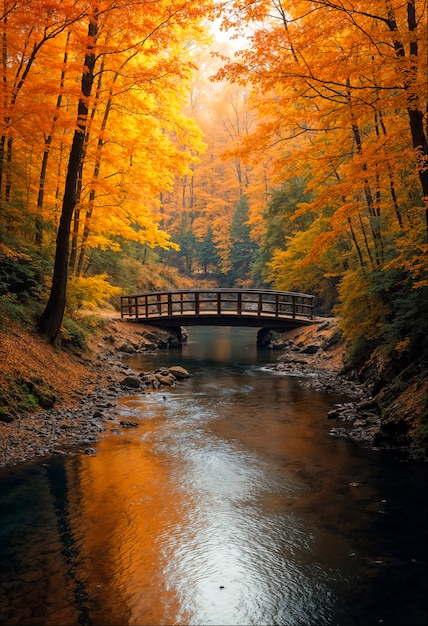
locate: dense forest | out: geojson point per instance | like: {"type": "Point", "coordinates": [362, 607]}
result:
{"type": "Point", "coordinates": [270, 143]}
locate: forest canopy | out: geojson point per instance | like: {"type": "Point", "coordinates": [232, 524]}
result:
{"type": "Point", "coordinates": [139, 149]}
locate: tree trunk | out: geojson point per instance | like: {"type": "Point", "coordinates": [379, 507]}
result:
{"type": "Point", "coordinates": [415, 108]}
{"type": "Point", "coordinates": [50, 321]}
{"type": "Point", "coordinates": [48, 142]}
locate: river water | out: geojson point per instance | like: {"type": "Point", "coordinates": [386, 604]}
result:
{"type": "Point", "coordinates": [229, 504]}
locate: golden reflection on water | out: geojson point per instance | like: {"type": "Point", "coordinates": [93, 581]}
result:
{"type": "Point", "coordinates": [166, 540]}
{"type": "Point", "coordinates": [122, 527]}
{"type": "Point", "coordinates": [194, 517]}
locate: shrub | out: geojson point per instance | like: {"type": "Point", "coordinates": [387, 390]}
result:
{"type": "Point", "coordinates": [73, 335]}
{"type": "Point", "coordinates": [89, 292]}
{"type": "Point", "coordinates": [21, 274]}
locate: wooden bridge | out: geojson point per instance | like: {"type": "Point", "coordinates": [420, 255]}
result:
{"type": "Point", "coordinates": [220, 307]}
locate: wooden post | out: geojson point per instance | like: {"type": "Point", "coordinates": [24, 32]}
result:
{"type": "Point", "coordinates": [239, 303]}
{"type": "Point", "coordinates": [196, 303]}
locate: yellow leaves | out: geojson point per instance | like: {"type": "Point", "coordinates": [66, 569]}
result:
{"type": "Point", "coordinates": [411, 256]}
{"type": "Point", "coordinates": [289, 266]}
{"type": "Point", "coordinates": [320, 74]}
{"type": "Point", "coordinates": [362, 313]}
{"type": "Point", "coordinates": [320, 244]}
{"type": "Point", "coordinates": [138, 135]}
{"type": "Point", "coordinates": [13, 255]}
{"type": "Point", "coordinates": [89, 292]}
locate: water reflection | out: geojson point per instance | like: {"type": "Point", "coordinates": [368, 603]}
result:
{"type": "Point", "coordinates": [229, 504]}
{"type": "Point", "coordinates": [204, 541]}
{"type": "Point", "coordinates": [128, 505]}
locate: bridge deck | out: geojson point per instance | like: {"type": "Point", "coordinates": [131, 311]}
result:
{"type": "Point", "coordinates": [220, 307]}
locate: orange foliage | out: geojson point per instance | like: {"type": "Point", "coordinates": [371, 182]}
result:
{"type": "Point", "coordinates": [137, 137]}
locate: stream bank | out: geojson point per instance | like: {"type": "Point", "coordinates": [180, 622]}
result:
{"type": "Point", "coordinates": [74, 391]}
{"type": "Point", "coordinates": [79, 391]}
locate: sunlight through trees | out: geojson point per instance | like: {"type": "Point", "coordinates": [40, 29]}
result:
{"type": "Point", "coordinates": [132, 139]}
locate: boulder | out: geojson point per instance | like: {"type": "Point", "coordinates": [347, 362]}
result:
{"type": "Point", "coordinates": [127, 348]}
{"type": "Point", "coordinates": [311, 348]}
{"type": "Point", "coordinates": [47, 400]}
{"type": "Point", "coordinates": [167, 380]}
{"type": "Point", "coordinates": [7, 418]}
{"type": "Point", "coordinates": [163, 376]}
{"type": "Point", "coordinates": [179, 372]}
{"type": "Point", "coordinates": [130, 382]}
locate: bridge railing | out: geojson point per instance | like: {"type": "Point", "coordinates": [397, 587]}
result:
{"type": "Point", "coordinates": [199, 302]}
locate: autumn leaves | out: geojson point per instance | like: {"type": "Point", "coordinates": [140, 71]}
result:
{"type": "Point", "coordinates": [93, 129]}
{"type": "Point", "coordinates": [340, 89]}
{"type": "Point", "coordinates": [302, 166]}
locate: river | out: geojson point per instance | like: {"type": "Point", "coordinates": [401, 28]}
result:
{"type": "Point", "coordinates": [229, 504]}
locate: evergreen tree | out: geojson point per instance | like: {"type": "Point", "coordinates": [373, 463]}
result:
{"type": "Point", "coordinates": [207, 252]}
{"type": "Point", "coordinates": [243, 250]}
{"type": "Point", "coordinates": [188, 244]}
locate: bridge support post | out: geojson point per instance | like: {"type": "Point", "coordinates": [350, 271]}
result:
{"type": "Point", "coordinates": [267, 336]}
{"type": "Point", "coordinates": [177, 331]}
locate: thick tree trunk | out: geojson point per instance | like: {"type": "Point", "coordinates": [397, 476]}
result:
{"type": "Point", "coordinates": [50, 321]}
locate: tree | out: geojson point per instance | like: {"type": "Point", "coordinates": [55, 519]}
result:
{"type": "Point", "coordinates": [145, 65]}
{"type": "Point", "coordinates": [242, 253]}
{"type": "Point", "coordinates": [27, 28]}
{"type": "Point", "coordinates": [209, 197]}
{"type": "Point", "coordinates": [341, 89]}
{"type": "Point", "coordinates": [206, 252]}
{"type": "Point", "coordinates": [50, 321]}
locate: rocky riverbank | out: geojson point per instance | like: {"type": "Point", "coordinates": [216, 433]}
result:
{"type": "Point", "coordinates": [318, 354]}
{"type": "Point", "coordinates": [77, 393]}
